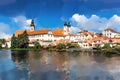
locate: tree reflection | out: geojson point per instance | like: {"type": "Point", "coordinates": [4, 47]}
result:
{"type": "Point", "coordinates": [19, 56]}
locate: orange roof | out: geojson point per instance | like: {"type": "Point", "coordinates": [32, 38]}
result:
{"type": "Point", "coordinates": [8, 39]}
{"type": "Point", "coordinates": [100, 38]}
{"type": "Point", "coordinates": [91, 33]}
{"type": "Point", "coordinates": [58, 32]}
{"type": "Point", "coordinates": [109, 29]}
{"type": "Point", "coordinates": [85, 33]}
{"type": "Point", "coordinates": [18, 32]}
{"type": "Point", "coordinates": [44, 31]}
{"type": "Point", "coordinates": [73, 35]}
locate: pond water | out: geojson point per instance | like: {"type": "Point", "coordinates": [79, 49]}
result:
{"type": "Point", "coordinates": [45, 65]}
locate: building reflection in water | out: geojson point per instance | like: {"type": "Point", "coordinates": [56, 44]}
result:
{"type": "Point", "coordinates": [48, 65]}
{"type": "Point", "coordinates": [45, 65]}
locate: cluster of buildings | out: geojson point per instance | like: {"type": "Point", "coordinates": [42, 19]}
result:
{"type": "Point", "coordinates": [84, 38]}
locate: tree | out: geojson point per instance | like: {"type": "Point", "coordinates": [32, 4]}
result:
{"type": "Point", "coordinates": [0, 44]}
{"type": "Point", "coordinates": [77, 45]}
{"type": "Point", "coordinates": [68, 45]}
{"type": "Point", "coordinates": [37, 45]}
{"type": "Point", "coordinates": [3, 41]}
{"type": "Point", "coordinates": [25, 39]}
{"type": "Point", "coordinates": [21, 41]}
{"type": "Point", "coordinates": [106, 46]}
{"type": "Point", "coordinates": [61, 46]}
{"type": "Point", "coordinates": [14, 42]}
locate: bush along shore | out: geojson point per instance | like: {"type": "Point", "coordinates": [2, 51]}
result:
{"type": "Point", "coordinates": [69, 47]}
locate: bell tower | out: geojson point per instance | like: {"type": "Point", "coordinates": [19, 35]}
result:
{"type": "Point", "coordinates": [67, 28]}
{"type": "Point", "coordinates": [32, 26]}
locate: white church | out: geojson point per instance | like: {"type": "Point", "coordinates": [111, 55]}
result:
{"type": "Point", "coordinates": [46, 36]}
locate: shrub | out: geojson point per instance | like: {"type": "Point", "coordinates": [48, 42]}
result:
{"type": "Point", "coordinates": [106, 46]}
{"type": "Point", "coordinates": [68, 45]}
{"type": "Point", "coordinates": [37, 45]}
{"type": "Point", "coordinates": [61, 46]}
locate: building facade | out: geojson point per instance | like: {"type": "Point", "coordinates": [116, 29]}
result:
{"type": "Point", "coordinates": [109, 33]}
{"type": "Point", "coordinates": [63, 35]}
{"type": "Point", "coordinates": [46, 36]}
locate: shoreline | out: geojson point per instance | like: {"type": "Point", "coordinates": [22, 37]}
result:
{"type": "Point", "coordinates": [112, 51]}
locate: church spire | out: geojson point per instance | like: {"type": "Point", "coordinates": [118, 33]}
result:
{"type": "Point", "coordinates": [32, 25]}
{"type": "Point", "coordinates": [68, 24]}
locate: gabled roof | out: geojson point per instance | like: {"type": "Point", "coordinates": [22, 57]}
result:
{"type": "Point", "coordinates": [58, 32]}
{"type": "Point", "coordinates": [91, 33]}
{"type": "Point", "coordinates": [109, 29]}
{"type": "Point", "coordinates": [36, 32]}
{"type": "Point", "coordinates": [88, 33]}
{"type": "Point", "coordinates": [73, 35]}
{"type": "Point", "coordinates": [18, 32]}
{"type": "Point", "coordinates": [7, 39]}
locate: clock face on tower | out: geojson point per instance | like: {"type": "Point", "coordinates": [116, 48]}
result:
{"type": "Point", "coordinates": [32, 29]}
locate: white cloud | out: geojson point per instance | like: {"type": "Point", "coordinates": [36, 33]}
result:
{"type": "Point", "coordinates": [4, 28]}
{"type": "Point", "coordinates": [95, 23]}
{"type": "Point", "coordinates": [4, 35]}
{"type": "Point", "coordinates": [22, 22]}
{"type": "Point", "coordinates": [75, 29]}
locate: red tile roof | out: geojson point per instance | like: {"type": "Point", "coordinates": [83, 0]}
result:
{"type": "Point", "coordinates": [44, 31]}
{"type": "Point", "coordinates": [58, 32]}
{"type": "Point", "coordinates": [109, 29]}
{"type": "Point", "coordinates": [8, 39]}
{"type": "Point", "coordinates": [18, 32]}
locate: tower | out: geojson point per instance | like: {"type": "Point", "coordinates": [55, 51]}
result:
{"type": "Point", "coordinates": [67, 28]}
{"type": "Point", "coordinates": [32, 26]}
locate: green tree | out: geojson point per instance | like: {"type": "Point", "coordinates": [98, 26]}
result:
{"type": "Point", "coordinates": [0, 44]}
{"type": "Point", "coordinates": [118, 46]}
{"type": "Point", "coordinates": [61, 46]}
{"type": "Point", "coordinates": [21, 41]}
{"type": "Point", "coordinates": [77, 46]}
{"type": "Point", "coordinates": [106, 46]}
{"type": "Point", "coordinates": [68, 45]}
{"type": "Point", "coordinates": [14, 42]}
{"type": "Point", "coordinates": [37, 45]}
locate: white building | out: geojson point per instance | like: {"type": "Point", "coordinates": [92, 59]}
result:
{"type": "Point", "coordinates": [82, 36]}
{"type": "Point", "coordinates": [109, 33]}
{"type": "Point", "coordinates": [46, 36]}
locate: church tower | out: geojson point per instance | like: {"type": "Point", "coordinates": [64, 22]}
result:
{"type": "Point", "coordinates": [67, 28]}
{"type": "Point", "coordinates": [32, 26]}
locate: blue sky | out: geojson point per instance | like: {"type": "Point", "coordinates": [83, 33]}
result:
{"type": "Point", "coordinates": [16, 14]}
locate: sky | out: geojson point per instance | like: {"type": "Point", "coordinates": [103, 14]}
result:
{"type": "Point", "coordinates": [91, 15]}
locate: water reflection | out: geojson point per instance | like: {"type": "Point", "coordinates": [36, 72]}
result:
{"type": "Point", "coordinates": [45, 65]}
{"type": "Point", "coordinates": [8, 69]}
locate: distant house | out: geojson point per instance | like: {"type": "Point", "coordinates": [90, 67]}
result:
{"type": "Point", "coordinates": [7, 43]}
{"type": "Point", "coordinates": [109, 33]}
